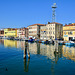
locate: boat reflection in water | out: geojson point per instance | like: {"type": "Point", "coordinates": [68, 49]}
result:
{"type": "Point", "coordinates": [50, 52]}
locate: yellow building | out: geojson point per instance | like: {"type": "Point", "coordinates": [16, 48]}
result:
{"type": "Point", "coordinates": [69, 32]}
{"type": "Point", "coordinates": [10, 32]}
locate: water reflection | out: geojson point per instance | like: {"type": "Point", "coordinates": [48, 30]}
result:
{"type": "Point", "coordinates": [26, 64]}
{"type": "Point", "coordinates": [10, 43]}
{"type": "Point", "coordinates": [69, 52]}
{"type": "Point", "coordinates": [2, 42]}
{"type": "Point", "coordinates": [51, 52]}
{"type": "Point", "coordinates": [26, 51]}
{"type": "Point", "coordinates": [26, 57]}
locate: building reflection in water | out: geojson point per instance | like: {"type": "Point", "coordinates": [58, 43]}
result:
{"type": "Point", "coordinates": [2, 41]}
{"type": "Point", "coordinates": [69, 52]}
{"type": "Point", "coordinates": [34, 48]}
{"type": "Point", "coordinates": [53, 52]}
{"type": "Point", "coordinates": [10, 43]}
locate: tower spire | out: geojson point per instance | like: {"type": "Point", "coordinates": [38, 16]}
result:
{"type": "Point", "coordinates": [53, 12]}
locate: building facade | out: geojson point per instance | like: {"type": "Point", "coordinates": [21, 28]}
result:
{"type": "Point", "coordinates": [43, 34]}
{"type": "Point", "coordinates": [22, 32]}
{"type": "Point", "coordinates": [69, 32]}
{"type": "Point", "coordinates": [10, 32]}
{"type": "Point", "coordinates": [1, 33]}
{"type": "Point", "coordinates": [34, 30]}
{"type": "Point", "coordinates": [54, 31]}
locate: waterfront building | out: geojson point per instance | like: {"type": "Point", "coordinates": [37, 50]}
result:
{"type": "Point", "coordinates": [69, 32]}
{"type": "Point", "coordinates": [10, 32]}
{"type": "Point", "coordinates": [34, 30]}
{"type": "Point", "coordinates": [1, 32]}
{"type": "Point", "coordinates": [54, 31]}
{"type": "Point", "coordinates": [43, 34]}
{"type": "Point", "coordinates": [22, 32]}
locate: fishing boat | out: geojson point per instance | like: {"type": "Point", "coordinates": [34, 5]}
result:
{"type": "Point", "coordinates": [61, 42]}
{"type": "Point", "coordinates": [46, 42]}
{"type": "Point", "coordinates": [16, 38]}
{"type": "Point", "coordinates": [1, 37]}
{"type": "Point", "coordinates": [31, 40]}
{"type": "Point", "coordinates": [4, 37]}
{"type": "Point", "coordinates": [42, 41]}
{"type": "Point", "coordinates": [70, 43]}
{"type": "Point", "coordinates": [10, 38]}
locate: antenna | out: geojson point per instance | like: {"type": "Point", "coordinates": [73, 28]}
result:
{"type": "Point", "coordinates": [53, 12]}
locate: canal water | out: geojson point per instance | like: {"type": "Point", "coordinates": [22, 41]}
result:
{"type": "Point", "coordinates": [44, 59]}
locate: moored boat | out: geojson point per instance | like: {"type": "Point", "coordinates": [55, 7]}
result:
{"type": "Point", "coordinates": [61, 43]}
{"type": "Point", "coordinates": [70, 43]}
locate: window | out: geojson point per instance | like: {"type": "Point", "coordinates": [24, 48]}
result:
{"type": "Point", "coordinates": [70, 33]}
{"type": "Point", "coordinates": [53, 32]}
{"type": "Point", "coordinates": [53, 36]}
{"type": "Point", "coordinates": [65, 33]}
{"type": "Point", "coordinates": [5, 32]}
{"type": "Point", "coordinates": [53, 28]}
{"type": "Point", "coordinates": [30, 27]}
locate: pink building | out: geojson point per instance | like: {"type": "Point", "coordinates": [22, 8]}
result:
{"type": "Point", "coordinates": [2, 33]}
{"type": "Point", "coordinates": [22, 32]}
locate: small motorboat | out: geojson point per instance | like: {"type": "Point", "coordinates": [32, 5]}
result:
{"type": "Point", "coordinates": [31, 40]}
{"type": "Point", "coordinates": [10, 38]}
{"type": "Point", "coordinates": [46, 42]}
{"type": "Point", "coordinates": [61, 42]}
{"type": "Point", "coordinates": [70, 43]}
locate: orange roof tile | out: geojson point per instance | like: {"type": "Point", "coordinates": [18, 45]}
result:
{"type": "Point", "coordinates": [70, 25]}
{"type": "Point", "coordinates": [55, 23]}
{"type": "Point", "coordinates": [37, 24]}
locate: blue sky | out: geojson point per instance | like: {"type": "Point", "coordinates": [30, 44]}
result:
{"type": "Point", "coordinates": [21, 13]}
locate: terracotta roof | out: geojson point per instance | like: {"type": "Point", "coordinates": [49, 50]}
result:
{"type": "Point", "coordinates": [11, 28]}
{"type": "Point", "coordinates": [37, 24]}
{"type": "Point", "coordinates": [55, 23]}
{"type": "Point", "coordinates": [70, 25]}
{"type": "Point", "coordinates": [22, 28]}
{"type": "Point", "coordinates": [69, 30]}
